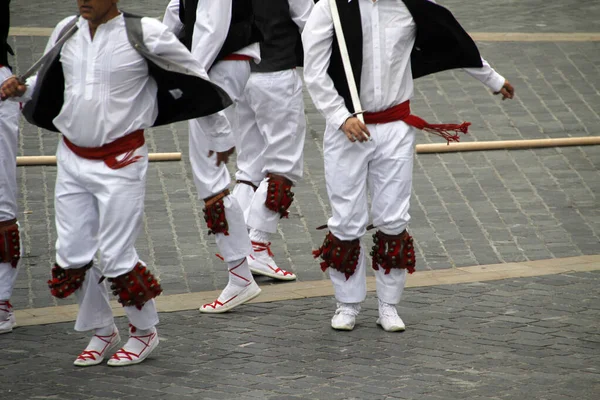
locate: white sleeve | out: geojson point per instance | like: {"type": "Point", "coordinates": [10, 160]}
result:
{"type": "Point", "coordinates": [171, 18]}
{"type": "Point", "coordinates": [317, 39]}
{"type": "Point", "coordinates": [213, 18]}
{"type": "Point", "coordinates": [487, 75]}
{"type": "Point", "coordinates": [300, 11]}
{"type": "Point", "coordinates": [161, 41]}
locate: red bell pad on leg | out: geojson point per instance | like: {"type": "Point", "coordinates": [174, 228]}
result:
{"type": "Point", "coordinates": [65, 282]}
{"type": "Point", "coordinates": [393, 251]}
{"type": "Point", "coordinates": [10, 244]}
{"type": "Point", "coordinates": [279, 194]}
{"type": "Point", "coordinates": [341, 255]}
{"type": "Point", "coordinates": [136, 287]}
{"type": "Point", "coordinates": [214, 214]}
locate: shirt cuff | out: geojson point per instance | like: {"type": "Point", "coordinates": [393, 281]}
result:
{"type": "Point", "coordinates": [495, 81]}
{"type": "Point", "coordinates": [339, 117]}
{"type": "Point", "coordinates": [221, 143]}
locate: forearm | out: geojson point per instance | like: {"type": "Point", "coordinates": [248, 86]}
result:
{"type": "Point", "coordinates": [487, 75]}
{"type": "Point", "coordinates": [210, 31]}
{"type": "Point", "coordinates": [300, 11]}
{"type": "Point", "coordinates": [317, 40]}
{"type": "Point", "coordinates": [171, 18]}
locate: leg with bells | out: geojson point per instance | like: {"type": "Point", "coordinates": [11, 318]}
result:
{"type": "Point", "coordinates": [212, 182]}
{"type": "Point", "coordinates": [250, 146]}
{"type": "Point", "coordinates": [390, 181]}
{"type": "Point", "coordinates": [346, 168]}
{"type": "Point", "coordinates": [77, 230]}
{"type": "Point", "coordinates": [119, 194]}
{"type": "Point", "coordinates": [9, 131]}
{"type": "Point", "coordinates": [276, 99]}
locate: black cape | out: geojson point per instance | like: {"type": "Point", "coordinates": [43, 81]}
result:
{"type": "Point", "coordinates": [181, 94]}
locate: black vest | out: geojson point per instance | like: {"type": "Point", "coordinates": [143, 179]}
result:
{"type": "Point", "coordinates": [194, 97]}
{"type": "Point", "coordinates": [441, 44]}
{"type": "Point", "coordinates": [242, 28]}
{"type": "Point", "coordinates": [5, 49]}
{"type": "Point", "coordinates": [281, 47]}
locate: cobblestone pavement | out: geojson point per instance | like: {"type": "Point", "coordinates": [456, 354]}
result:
{"type": "Point", "coordinates": [529, 338]}
{"type": "Point", "coordinates": [467, 209]}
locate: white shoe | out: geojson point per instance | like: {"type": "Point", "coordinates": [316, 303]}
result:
{"type": "Point", "coordinates": [261, 263]}
{"type": "Point", "coordinates": [138, 347]}
{"type": "Point", "coordinates": [345, 316]}
{"type": "Point", "coordinates": [228, 299]}
{"type": "Point", "coordinates": [7, 317]}
{"type": "Point", "coordinates": [389, 319]}
{"type": "Point", "coordinates": [97, 349]}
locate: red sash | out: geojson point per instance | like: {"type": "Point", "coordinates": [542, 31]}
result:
{"type": "Point", "coordinates": [401, 112]}
{"type": "Point", "coordinates": [108, 153]}
{"type": "Point", "coordinates": [237, 57]}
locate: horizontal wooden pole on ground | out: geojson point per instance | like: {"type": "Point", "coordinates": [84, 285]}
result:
{"type": "Point", "coordinates": [25, 161]}
{"type": "Point", "coordinates": [507, 144]}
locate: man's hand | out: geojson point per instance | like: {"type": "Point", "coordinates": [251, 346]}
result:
{"type": "Point", "coordinates": [355, 130]}
{"type": "Point", "coordinates": [222, 156]}
{"type": "Point", "coordinates": [12, 87]}
{"type": "Point", "coordinates": [507, 91]}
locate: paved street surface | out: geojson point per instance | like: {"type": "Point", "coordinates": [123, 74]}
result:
{"type": "Point", "coordinates": [529, 338]}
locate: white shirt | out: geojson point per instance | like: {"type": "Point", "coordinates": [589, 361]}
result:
{"type": "Point", "coordinates": [108, 91]}
{"type": "Point", "coordinates": [300, 11]}
{"type": "Point", "coordinates": [389, 33]}
{"type": "Point", "coordinates": [213, 18]}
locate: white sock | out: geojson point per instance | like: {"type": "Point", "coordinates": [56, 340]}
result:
{"type": "Point", "coordinates": [141, 332]}
{"type": "Point", "coordinates": [239, 272]}
{"type": "Point", "coordinates": [106, 331]}
{"type": "Point", "coordinates": [239, 277]}
{"type": "Point", "coordinates": [259, 236]}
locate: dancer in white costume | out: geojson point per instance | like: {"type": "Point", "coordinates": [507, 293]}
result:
{"type": "Point", "coordinates": [389, 44]}
{"type": "Point", "coordinates": [272, 128]}
{"type": "Point", "coordinates": [110, 96]}
{"type": "Point", "coordinates": [9, 229]}
{"type": "Point", "coordinates": [222, 36]}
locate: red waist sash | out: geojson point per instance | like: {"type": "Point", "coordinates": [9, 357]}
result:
{"type": "Point", "coordinates": [237, 57]}
{"type": "Point", "coordinates": [401, 112]}
{"type": "Point", "coordinates": [108, 153]}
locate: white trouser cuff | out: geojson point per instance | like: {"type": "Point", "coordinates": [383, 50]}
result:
{"type": "Point", "coordinates": [94, 306]}
{"type": "Point", "coordinates": [353, 289]}
{"type": "Point", "coordinates": [236, 245]}
{"type": "Point", "coordinates": [143, 319]}
{"type": "Point", "coordinates": [243, 194]}
{"type": "Point", "coordinates": [8, 275]}
{"type": "Point", "coordinates": [391, 286]}
{"type": "Point", "coordinates": [260, 217]}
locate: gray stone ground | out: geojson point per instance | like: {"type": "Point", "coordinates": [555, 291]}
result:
{"type": "Point", "coordinates": [533, 338]}
{"type": "Point", "coordinates": [467, 209]}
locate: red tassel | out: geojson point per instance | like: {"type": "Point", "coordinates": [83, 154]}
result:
{"type": "Point", "coordinates": [442, 130]}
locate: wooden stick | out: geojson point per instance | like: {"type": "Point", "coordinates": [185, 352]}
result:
{"type": "Point", "coordinates": [507, 144]}
{"type": "Point", "coordinates": [51, 160]}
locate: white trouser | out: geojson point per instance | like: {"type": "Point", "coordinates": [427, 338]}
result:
{"type": "Point", "coordinates": [9, 136]}
{"type": "Point", "coordinates": [385, 164]}
{"type": "Point", "coordinates": [99, 209]}
{"type": "Point", "coordinates": [272, 132]}
{"type": "Point", "coordinates": [211, 179]}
